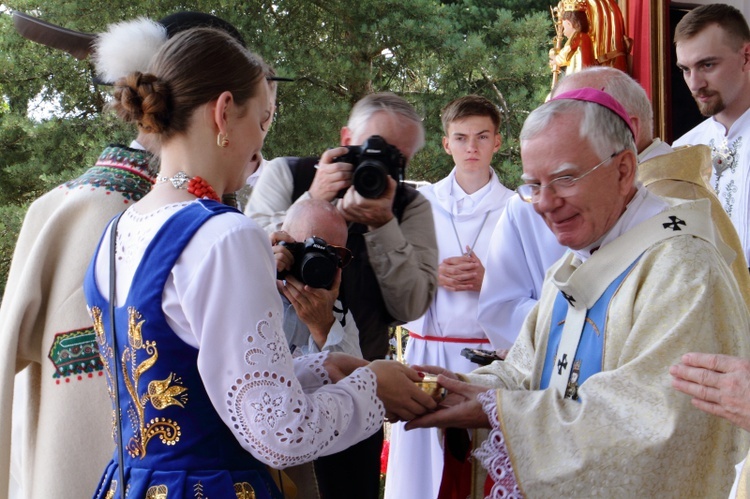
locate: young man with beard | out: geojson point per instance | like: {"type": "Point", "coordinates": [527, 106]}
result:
{"type": "Point", "coordinates": [713, 52]}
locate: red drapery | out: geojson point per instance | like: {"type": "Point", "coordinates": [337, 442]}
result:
{"type": "Point", "coordinates": [639, 29]}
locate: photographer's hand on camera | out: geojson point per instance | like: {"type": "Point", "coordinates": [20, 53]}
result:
{"type": "Point", "coordinates": [314, 306]}
{"type": "Point", "coordinates": [373, 213]}
{"type": "Point", "coordinates": [281, 254]}
{"type": "Point", "coordinates": [331, 177]}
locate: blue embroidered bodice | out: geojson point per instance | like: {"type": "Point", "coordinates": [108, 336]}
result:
{"type": "Point", "coordinates": [176, 445]}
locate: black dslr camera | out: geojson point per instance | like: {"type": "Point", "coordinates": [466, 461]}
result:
{"type": "Point", "coordinates": [374, 161]}
{"type": "Point", "coordinates": [479, 356]}
{"type": "Point", "coordinates": [315, 262]}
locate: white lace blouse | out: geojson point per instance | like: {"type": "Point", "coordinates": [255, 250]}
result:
{"type": "Point", "coordinates": [221, 298]}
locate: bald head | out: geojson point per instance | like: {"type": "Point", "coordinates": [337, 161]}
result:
{"type": "Point", "coordinates": [316, 217]}
{"type": "Point", "coordinates": [624, 89]}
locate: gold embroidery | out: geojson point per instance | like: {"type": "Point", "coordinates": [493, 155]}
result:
{"type": "Point", "coordinates": [167, 430]}
{"type": "Point", "coordinates": [161, 393]}
{"type": "Point", "coordinates": [157, 492]}
{"type": "Point", "coordinates": [105, 352]}
{"type": "Point", "coordinates": [112, 489]}
{"type": "Point", "coordinates": [244, 490]}
{"type": "Point", "coordinates": [594, 327]}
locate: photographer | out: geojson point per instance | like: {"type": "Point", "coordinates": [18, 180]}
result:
{"type": "Point", "coordinates": [393, 277]}
{"type": "Point", "coordinates": [314, 319]}
{"type": "Point", "coordinates": [394, 274]}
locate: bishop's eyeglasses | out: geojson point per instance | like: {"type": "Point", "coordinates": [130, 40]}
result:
{"type": "Point", "coordinates": [563, 187]}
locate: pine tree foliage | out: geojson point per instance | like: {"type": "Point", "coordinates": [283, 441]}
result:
{"type": "Point", "coordinates": [428, 51]}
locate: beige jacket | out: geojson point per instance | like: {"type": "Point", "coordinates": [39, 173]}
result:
{"type": "Point", "coordinates": [63, 415]}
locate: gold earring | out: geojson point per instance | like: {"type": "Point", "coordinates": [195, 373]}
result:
{"type": "Point", "coordinates": [222, 140]}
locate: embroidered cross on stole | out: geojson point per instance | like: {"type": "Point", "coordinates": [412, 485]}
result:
{"type": "Point", "coordinates": [578, 325]}
{"type": "Point", "coordinates": [576, 340]}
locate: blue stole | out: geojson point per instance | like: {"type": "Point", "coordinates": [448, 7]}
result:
{"type": "Point", "coordinates": [588, 357]}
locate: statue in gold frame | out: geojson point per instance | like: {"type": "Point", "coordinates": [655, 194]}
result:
{"type": "Point", "coordinates": [595, 32]}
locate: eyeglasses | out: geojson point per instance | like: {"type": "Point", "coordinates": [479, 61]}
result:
{"type": "Point", "coordinates": [344, 254]}
{"type": "Point", "coordinates": [563, 187]}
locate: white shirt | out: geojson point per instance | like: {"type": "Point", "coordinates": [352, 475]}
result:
{"type": "Point", "coordinates": [730, 177]}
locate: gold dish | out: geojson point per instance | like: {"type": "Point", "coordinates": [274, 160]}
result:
{"type": "Point", "coordinates": [430, 386]}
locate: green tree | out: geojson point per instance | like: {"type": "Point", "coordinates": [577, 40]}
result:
{"type": "Point", "coordinates": [429, 51]}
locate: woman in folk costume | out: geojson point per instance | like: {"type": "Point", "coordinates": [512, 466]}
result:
{"type": "Point", "coordinates": [206, 393]}
{"type": "Point", "coordinates": [46, 334]}
{"type": "Point", "coordinates": [466, 206]}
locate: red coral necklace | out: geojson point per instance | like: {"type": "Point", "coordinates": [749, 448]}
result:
{"type": "Point", "coordinates": [197, 186]}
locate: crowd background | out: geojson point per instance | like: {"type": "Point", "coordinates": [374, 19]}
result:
{"type": "Point", "coordinates": [428, 51]}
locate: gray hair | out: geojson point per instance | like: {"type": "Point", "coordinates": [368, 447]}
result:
{"type": "Point", "coordinates": [387, 102]}
{"type": "Point", "coordinates": [622, 87]}
{"type": "Point", "coordinates": [604, 130]}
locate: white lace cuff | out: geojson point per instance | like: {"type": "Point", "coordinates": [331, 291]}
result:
{"type": "Point", "coordinates": [310, 371]}
{"type": "Point", "coordinates": [493, 454]}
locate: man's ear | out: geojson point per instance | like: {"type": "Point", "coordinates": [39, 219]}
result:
{"type": "Point", "coordinates": [446, 146]}
{"type": "Point", "coordinates": [498, 142]}
{"type": "Point", "coordinates": [346, 136]}
{"type": "Point", "coordinates": [746, 56]}
{"type": "Point", "coordinates": [626, 168]}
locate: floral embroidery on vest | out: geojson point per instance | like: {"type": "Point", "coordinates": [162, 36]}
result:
{"type": "Point", "coordinates": [160, 393]}
{"type": "Point", "coordinates": [244, 490]}
{"type": "Point", "coordinates": [157, 492]}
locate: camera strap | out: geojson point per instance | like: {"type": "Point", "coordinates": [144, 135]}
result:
{"type": "Point", "coordinates": [113, 341]}
{"type": "Point", "coordinates": [343, 310]}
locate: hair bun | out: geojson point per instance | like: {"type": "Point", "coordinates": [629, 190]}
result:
{"type": "Point", "coordinates": [143, 98]}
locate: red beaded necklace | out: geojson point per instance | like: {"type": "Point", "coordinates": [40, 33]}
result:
{"type": "Point", "coordinates": [197, 186]}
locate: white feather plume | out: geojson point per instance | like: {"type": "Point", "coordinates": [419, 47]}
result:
{"type": "Point", "coordinates": [127, 47]}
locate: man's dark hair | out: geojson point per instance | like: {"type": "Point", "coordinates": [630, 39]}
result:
{"type": "Point", "coordinates": [467, 106]}
{"type": "Point", "coordinates": [728, 18]}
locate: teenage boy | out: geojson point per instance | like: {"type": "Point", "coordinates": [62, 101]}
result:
{"type": "Point", "coordinates": [466, 205]}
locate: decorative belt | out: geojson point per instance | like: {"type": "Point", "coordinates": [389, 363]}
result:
{"type": "Point", "coordinates": [449, 339]}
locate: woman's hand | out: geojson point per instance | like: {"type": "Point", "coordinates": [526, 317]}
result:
{"type": "Point", "coordinates": [340, 365]}
{"type": "Point", "coordinates": [397, 389]}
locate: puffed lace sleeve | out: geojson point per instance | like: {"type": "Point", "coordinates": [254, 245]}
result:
{"type": "Point", "coordinates": [493, 453]}
{"type": "Point", "coordinates": [234, 310]}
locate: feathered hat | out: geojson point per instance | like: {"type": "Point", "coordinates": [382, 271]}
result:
{"type": "Point", "coordinates": [130, 45]}
{"type": "Point", "coordinates": [126, 46]}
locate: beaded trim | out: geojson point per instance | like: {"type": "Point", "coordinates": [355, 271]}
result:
{"type": "Point", "coordinates": [196, 186]}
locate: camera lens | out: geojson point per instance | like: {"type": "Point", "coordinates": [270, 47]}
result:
{"type": "Point", "coordinates": [370, 179]}
{"type": "Point", "coordinates": [317, 270]}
